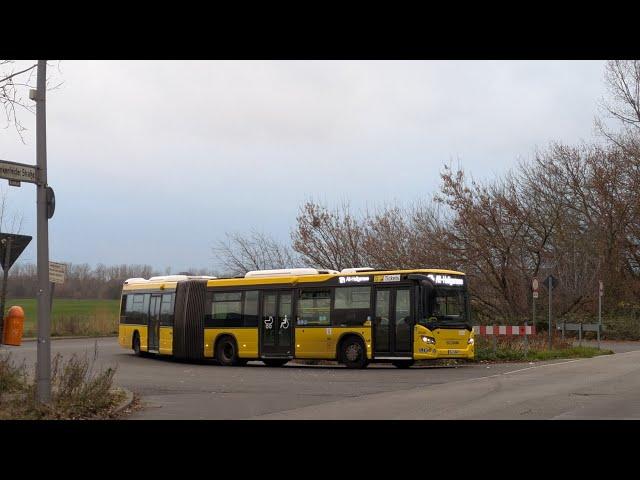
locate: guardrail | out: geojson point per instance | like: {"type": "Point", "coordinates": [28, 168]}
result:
{"type": "Point", "coordinates": [580, 327]}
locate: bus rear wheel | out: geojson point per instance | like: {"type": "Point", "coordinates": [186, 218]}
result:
{"type": "Point", "coordinates": [353, 353]}
{"type": "Point", "coordinates": [402, 363]}
{"type": "Point", "coordinates": [136, 344]}
{"type": "Point", "coordinates": [274, 362]}
{"type": "Point", "coordinates": [227, 352]}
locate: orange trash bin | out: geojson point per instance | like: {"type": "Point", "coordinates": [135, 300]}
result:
{"type": "Point", "coordinates": [13, 326]}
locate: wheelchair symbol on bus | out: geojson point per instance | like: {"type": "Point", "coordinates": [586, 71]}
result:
{"type": "Point", "coordinates": [285, 323]}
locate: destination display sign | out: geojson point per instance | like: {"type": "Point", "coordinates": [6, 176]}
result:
{"type": "Point", "coordinates": [446, 280]}
{"type": "Point", "coordinates": [353, 279]}
{"type": "Point", "coordinates": [18, 172]}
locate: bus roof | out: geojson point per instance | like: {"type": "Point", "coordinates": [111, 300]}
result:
{"type": "Point", "coordinates": [262, 277]}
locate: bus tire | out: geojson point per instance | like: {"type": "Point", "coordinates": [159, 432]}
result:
{"type": "Point", "coordinates": [403, 363]}
{"type": "Point", "coordinates": [227, 352]}
{"type": "Point", "coordinates": [135, 344]}
{"type": "Point", "coordinates": [274, 362]}
{"type": "Point", "coordinates": [353, 353]}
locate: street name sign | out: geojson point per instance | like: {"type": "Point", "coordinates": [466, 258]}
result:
{"type": "Point", "coordinates": [18, 172]}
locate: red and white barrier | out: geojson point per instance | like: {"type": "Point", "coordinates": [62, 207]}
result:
{"type": "Point", "coordinates": [504, 330]}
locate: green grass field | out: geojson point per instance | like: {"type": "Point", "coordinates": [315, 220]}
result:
{"type": "Point", "coordinates": [72, 317]}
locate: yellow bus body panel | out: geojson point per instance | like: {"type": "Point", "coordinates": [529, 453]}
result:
{"type": "Point", "coordinates": [450, 343]}
{"type": "Point", "coordinates": [321, 343]}
{"type": "Point", "coordinates": [166, 340]}
{"type": "Point", "coordinates": [125, 335]}
{"type": "Point", "coordinates": [453, 343]}
{"type": "Point", "coordinates": [311, 342]}
{"type": "Point", "coordinates": [246, 338]}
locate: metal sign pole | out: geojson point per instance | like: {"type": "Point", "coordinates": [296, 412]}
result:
{"type": "Point", "coordinates": [43, 366]}
{"type": "Point", "coordinates": [550, 289]}
{"type": "Point", "coordinates": [534, 288]}
{"type": "Point", "coordinates": [5, 277]}
{"type": "Point", "coordinates": [600, 291]}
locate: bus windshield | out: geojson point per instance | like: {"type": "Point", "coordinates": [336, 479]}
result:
{"type": "Point", "coordinates": [449, 304]}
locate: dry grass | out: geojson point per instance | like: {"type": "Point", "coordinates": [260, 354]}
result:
{"type": "Point", "coordinates": [80, 390]}
{"type": "Point", "coordinates": [514, 348]}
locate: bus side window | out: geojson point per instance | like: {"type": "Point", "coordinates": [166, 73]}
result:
{"type": "Point", "coordinates": [250, 312]}
{"type": "Point", "coordinates": [351, 306]}
{"type": "Point", "coordinates": [145, 308]}
{"type": "Point", "coordinates": [314, 308]}
{"type": "Point", "coordinates": [166, 310]}
{"type": "Point", "coordinates": [135, 310]}
{"type": "Point", "coordinates": [226, 309]}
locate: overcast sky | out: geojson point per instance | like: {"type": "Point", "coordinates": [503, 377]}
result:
{"type": "Point", "coordinates": [153, 161]}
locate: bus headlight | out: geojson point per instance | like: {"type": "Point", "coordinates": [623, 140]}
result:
{"type": "Point", "coordinates": [470, 341]}
{"type": "Point", "coordinates": [430, 340]}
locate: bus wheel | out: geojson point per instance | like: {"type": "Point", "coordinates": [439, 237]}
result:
{"type": "Point", "coordinates": [274, 362]}
{"type": "Point", "coordinates": [403, 363]}
{"type": "Point", "coordinates": [353, 353]}
{"type": "Point", "coordinates": [136, 344]}
{"type": "Point", "coordinates": [226, 352]}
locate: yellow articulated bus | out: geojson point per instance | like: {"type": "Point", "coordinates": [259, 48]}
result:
{"type": "Point", "coordinates": [355, 316]}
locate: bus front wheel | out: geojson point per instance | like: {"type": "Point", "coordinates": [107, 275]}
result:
{"type": "Point", "coordinates": [227, 352]}
{"type": "Point", "coordinates": [353, 353]}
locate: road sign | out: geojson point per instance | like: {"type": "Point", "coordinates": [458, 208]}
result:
{"type": "Point", "coordinates": [534, 287]}
{"type": "Point", "coordinates": [18, 172]}
{"type": "Point", "coordinates": [57, 271]}
{"type": "Point", "coordinates": [601, 289]}
{"type": "Point", "coordinates": [551, 281]}
{"type": "Point", "coordinates": [16, 245]}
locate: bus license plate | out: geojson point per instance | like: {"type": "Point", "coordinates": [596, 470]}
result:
{"type": "Point", "coordinates": [453, 352]}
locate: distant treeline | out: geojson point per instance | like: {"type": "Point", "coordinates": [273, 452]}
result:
{"type": "Point", "coordinates": [82, 281]}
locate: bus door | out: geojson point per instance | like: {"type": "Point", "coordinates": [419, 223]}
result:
{"type": "Point", "coordinates": [392, 326]}
{"type": "Point", "coordinates": [276, 325]}
{"type": "Point", "coordinates": [154, 323]}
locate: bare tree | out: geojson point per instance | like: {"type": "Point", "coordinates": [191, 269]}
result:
{"type": "Point", "coordinates": [9, 222]}
{"type": "Point", "coordinates": [622, 78]}
{"type": "Point", "coordinates": [241, 253]}
{"type": "Point", "coordinates": [331, 239]}
{"type": "Point", "coordinates": [16, 78]}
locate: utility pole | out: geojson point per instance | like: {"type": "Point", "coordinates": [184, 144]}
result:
{"type": "Point", "coordinates": [43, 370]}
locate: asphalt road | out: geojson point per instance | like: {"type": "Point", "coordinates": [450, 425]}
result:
{"type": "Point", "coordinates": [606, 387]}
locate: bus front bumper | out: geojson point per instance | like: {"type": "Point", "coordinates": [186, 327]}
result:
{"type": "Point", "coordinates": [434, 352]}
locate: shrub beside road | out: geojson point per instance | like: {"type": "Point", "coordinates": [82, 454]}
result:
{"type": "Point", "coordinates": [79, 391]}
{"type": "Point", "coordinates": [507, 348]}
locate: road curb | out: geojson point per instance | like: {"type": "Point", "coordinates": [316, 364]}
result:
{"type": "Point", "coordinates": [33, 339]}
{"type": "Point", "coordinates": [128, 400]}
